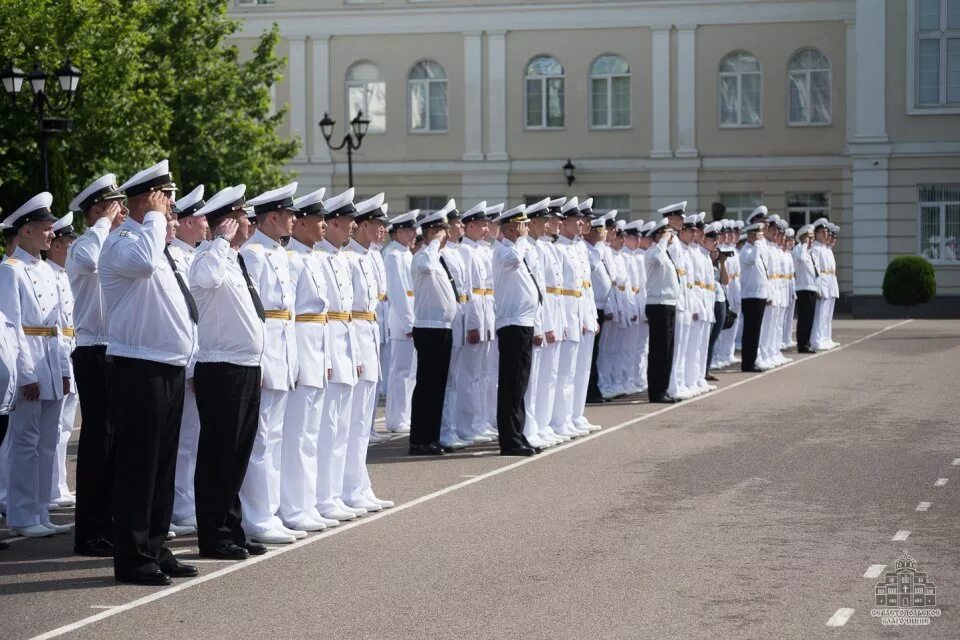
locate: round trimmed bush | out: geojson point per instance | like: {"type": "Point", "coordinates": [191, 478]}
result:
{"type": "Point", "coordinates": [909, 281]}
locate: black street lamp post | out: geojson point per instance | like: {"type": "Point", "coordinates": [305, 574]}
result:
{"type": "Point", "coordinates": [47, 127]}
{"type": "Point", "coordinates": [351, 140]}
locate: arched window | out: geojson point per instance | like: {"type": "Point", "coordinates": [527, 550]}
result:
{"type": "Point", "coordinates": [609, 92]}
{"type": "Point", "coordinates": [809, 88]}
{"type": "Point", "coordinates": [367, 92]}
{"type": "Point", "coordinates": [427, 86]}
{"type": "Point", "coordinates": [740, 101]}
{"type": "Point", "coordinates": [545, 93]}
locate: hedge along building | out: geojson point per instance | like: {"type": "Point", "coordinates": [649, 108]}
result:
{"type": "Point", "coordinates": [843, 108]}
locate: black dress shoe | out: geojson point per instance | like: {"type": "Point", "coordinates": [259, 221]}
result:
{"type": "Point", "coordinates": [596, 400]}
{"type": "Point", "coordinates": [447, 449]}
{"type": "Point", "coordinates": [432, 449]}
{"type": "Point", "coordinates": [751, 370]}
{"type": "Point", "coordinates": [255, 548]}
{"type": "Point", "coordinates": [711, 378]}
{"type": "Point", "coordinates": [97, 548]}
{"type": "Point", "coordinates": [806, 350]}
{"type": "Point", "coordinates": [537, 449]}
{"type": "Point", "coordinates": [226, 552]}
{"type": "Point", "coordinates": [4, 545]}
{"type": "Point", "coordinates": [149, 577]}
{"type": "Point", "coordinates": [176, 569]}
{"type": "Point", "coordinates": [520, 451]}
{"type": "Point", "coordinates": [663, 400]}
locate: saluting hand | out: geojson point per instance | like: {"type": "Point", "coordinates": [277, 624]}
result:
{"type": "Point", "coordinates": [227, 229]}
{"type": "Point", "coordinates": [158, 201]}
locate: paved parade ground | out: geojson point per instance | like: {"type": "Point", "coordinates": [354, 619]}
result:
{"type": "Point", "coordinates": [761, 510]}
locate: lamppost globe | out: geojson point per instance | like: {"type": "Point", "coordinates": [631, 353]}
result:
{"type": "Point", "coordinates": [351, 139]}
{"type": "Point", "coordinates": [69, 77]}
{"type": "Point", "coordinates": [326, 126]}
{"type": "Point", "coordinates": [38, 79]}
{"type": "Point", "coordinates": [12, 78]}
{"type": "Point", "coordinates": [360, 124]}
{"type": "Point", "coordinates": [568, 170]}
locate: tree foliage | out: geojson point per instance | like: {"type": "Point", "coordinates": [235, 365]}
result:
{"type": "Point", "coordinates": [160, 80]}
{"type": "Point", "coordinates": [909, 281]}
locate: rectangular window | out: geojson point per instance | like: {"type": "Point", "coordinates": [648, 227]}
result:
{"type": "Point", "coordinates": [804, 208]}
{"type": "Point", "coordinates": [937, 53]}
{"type": "Point", "coordinates": [598, 103]}
{"type": "Point", "coordinates": [555, 89]}
{"type": "Point", "coordinates": [426, 204]}
{"type": "Point", "coordinates": [253, 3]}
{"type": "Point", "coordinates": [535, 102]}
{"type": "Point", "coordinates": [529, 200]}
{"type": "Point", "coordinates": [609, 202]}
{"type": "Point", "coordinates": [939, 222]}
{"type": "Point", "coordinates": [740, 205]}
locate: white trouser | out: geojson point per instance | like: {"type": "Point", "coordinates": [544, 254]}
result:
{"type": "Point", "coordinates": [184, 499]}
{"type": "Point", "coordinates": [610, 341]}
{"type": "Point", "coordinates": [562, 416]}
{"type": "Point", "coordinates": [492, 377]}
{"type": "Point", "coordinates": [298, 473]}
{"type": "Point", "coordinates": [68, 417]}
{"type": "Point", "coordinates": [4, 470]}
{"type": "Point", "coordinates": [547, 383]}
{"type": "Point", "coordinates": [788, 322]}
{"type": "Point", "coordinates": [681, 340]}
{"type": "Point", "coordinates": [531, 428]}
{"type": "Point", "coordinates": [356, 483]}
{"type": "Point", "coordinates": [401, 376]}
{"type": "Point", "coordinates": [260, 492]}
{"type": "Point", "coordinates": [768, 329]}
{"type": "Point", "coordinates": [831, 303]}
{"type": "Point", "coordinates": [386, 352]}
{"type": "Point", "coordinates": [704, 352]}
{"type": "Point", "coordinates": [738, 338]}
{"type": "Point", "coordinates": [692, 370]}
{"type": "Point", "coordinates": [471, 381]}
{"type": "Point", "coordinates": [452, 396]}
{"type": "Point", "coordinates": [723, 351]}
{"type": "Point", "coordinates": [817, 334]}
{"type": "Point", "coordinates": [582, 376]}
{"type": "Point", "coordinates": [643, 338]}
{"type": "Point", "coordinates": [33, 432]}
{"type": "Point", "coordinates": [332, 445]}
{"type": "Point", "coordinates": [736, 331]}
{"type": "Point", "coordinates": [628, 354]}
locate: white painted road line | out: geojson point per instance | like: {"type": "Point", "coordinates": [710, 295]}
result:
{"type": "Point", "coordinates": [239, 566]}
{"type": "Point", "coordinates": [874, 570]}
{"type": "Point", "coordinates": [955, 463]}
{"type": "Point", "coordinates": [840, 617]}
{"type": "Point", "coordinates": [900, 536]}
{"type": "Point", "coordinates": [923, 506]}
{"type": "Point", "coordinates": [940, 482]}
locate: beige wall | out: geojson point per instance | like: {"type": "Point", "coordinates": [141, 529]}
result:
{"type": "Point", "coordinates": [632, 184]}
{"type": "Point", "coordinates": [773, 45]}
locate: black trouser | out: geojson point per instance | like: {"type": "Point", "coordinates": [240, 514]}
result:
{"type": "Point", "coordinates": [752, 309]}
{"type": "Point", "coordinates": [593, 386]}
{"type": "Point", "coordinates": [228, 401]}
{"type": "Point", "coordinates": [4, 424]}
{"type": "Point", "coordinates": [516, 356]}
{"type": "Point", "coordinates": [146, 406]}
{"type": "Point", "coordinates": [95, 449]}
{"type": "Point", "coordinates": [661, 318]}
{"type": "Point", "coordinates": [720, 314]}
{"type": "Point", "coordinates": [806, 308]}
{"type": "Point", "coordinates": [434, 347]}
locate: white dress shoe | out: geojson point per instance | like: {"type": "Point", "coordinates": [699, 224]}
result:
{"type": "Point", "coordinates": [535, 441]}
{"type": "Point", "coordinates": [384, 504]}
{"type": "Point", "coordinates": [57, 528]}
{"type": "Point", "coordinates": [315, 516]}
{"type": "Point", "coordinates": [481, 439]}
{"type": "Point", "coordinates": [339, 515]}
{"type": "Point", "coordinates": [366, 505]}
{"type": "Point", "coordinates": [182, 529]}
{"type": "Point", "coordinates": [401, 429]}
{"type": "Point", "coordinates": [491, 433]}
{"type": "Point", "coordinates": [64, 501]}
{"type": "Point", "coordinates": [357, 511]}
{"type": "Point", "coordinates": [304, 524]}
{"type": "Point", "coordinates": [272, 536]}
{"type": "Point", "coordinates": [454, 443]}
{"type": "Point", "coordinates": [171, 535]}
{"type": "Point", "coordinates": [593, 427]}
{"type": "Point", "coordinates": [298, 534]}
{"type": "Point", "coordinates": [376, 437]}
{"type": "Point", "coordinates": [683, 394]}
{"type": "Point", "coordinates": [33, 531]}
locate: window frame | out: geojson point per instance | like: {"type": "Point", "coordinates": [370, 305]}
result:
{"type": "Point", "coordinates": [348, 84]}
{"type": "Point", "coordinates": [608, 78]}
{"type": "Point", "coordinates": [543, 95]}
{"type": "Point", "coordinates": [623, 213]}
{"type": "Point", "coordinates": [438, 198]}
{"type": "Point", "coordinates": [426, 82]}
{"type": "Point", "coordinates": [739, 75]}
{"type": "Point", "coordinates": [740, 210]}
{"type": "Point", "coordinates": [822, 212]}
{"type": "Point", "coordinates": [941, 223]}
{"type": "Point", "coordinates": [914, 107]}
{"type": "Point", "coordinates": [808, 73]}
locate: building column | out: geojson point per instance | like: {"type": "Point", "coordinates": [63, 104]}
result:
{"type": "Point", "coordinates": [497, 94]}
{"type": "Point", "coordinates": [660, 62]}
{"type": "Point", "coordinates": [297, 81]}
{"type": "Point", "coordinates": [320, 81]}
{"type": "Point", "coordinates": [871, 86]}
{"type": "Point", "coordinates": [473, 95]}
{"type": "Point", "coordinates": [686, 92]}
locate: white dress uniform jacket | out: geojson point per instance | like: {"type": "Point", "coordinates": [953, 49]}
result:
{"type": "Point", "coordinates": [343, 351]}
{"type": "Point", "coordinates": [664, 285]}
{"type": "Point", "coordinates": [306, 270]}
{"type": "Point", "coordinates": [572, 291]}
{"type": "Point", "coordinates": [434, 302]}
{"type": "Point", "coordinates": [478, 310]}
{"type": "Point", "coordinates": [397, 260]}
{"type": "Point", "coordinates": [517, 301]}
{"type": "Point", "coordinates": [90, 318]}
{"type": "Point", "coordinates": [804, 268]}
{"type": "Point", "coordinates": [14, 357]}
{"type": "Point", "coordinates": [552, 269]}
{"type": "Point", "coordinates": [753, 281]}
{"type": "Point", "coordinates": [366, 298]}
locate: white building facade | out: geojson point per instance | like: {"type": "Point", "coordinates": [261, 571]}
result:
{"type": "Point", "coordinates": [848, 109]}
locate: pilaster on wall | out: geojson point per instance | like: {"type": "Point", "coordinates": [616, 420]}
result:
{"type": "Point", "coordinates": [320, 46]}
{"type": "Point", "coordinates": [497, 94]}
{"type": "Point", "coordinates": [871, 178]}
{"type": "Point", "coordinates": [686, 92]}
{"type": "Point", "coordinates": [660, 61]}
{"type": "Point", "coordinates": [490, 184]}
{"type": "Point", "coordinates": [674, 185]}
{"type": "Point", "coordinates": [473, 95]}
{"type": "Point", "coordinates": [298, 82]}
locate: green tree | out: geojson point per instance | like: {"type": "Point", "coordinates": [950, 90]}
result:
{"type": "Point", "coordinates": [159, 80]}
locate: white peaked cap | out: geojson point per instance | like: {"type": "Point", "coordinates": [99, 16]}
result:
{"type": "Point", "coordinates": [103, 188]}
{"type": "Point", "coordinates": [311, 203]}
{"type": "Point", "coordinates": [677, 208]}
{"type": "Point", "coordinates": [190, 203]}
{"type": "Point", "coordinates": [478, 210]}
{"type": "Point", "coordinates": [155, 178]}
{"type": "Point", "coordinates": [223, 202]}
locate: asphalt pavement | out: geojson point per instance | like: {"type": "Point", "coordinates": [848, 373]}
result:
{"type": "Point", "coordinates": [766, 509]}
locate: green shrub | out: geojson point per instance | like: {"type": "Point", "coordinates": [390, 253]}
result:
{"type": "Point", "coordinates": [909, 281]}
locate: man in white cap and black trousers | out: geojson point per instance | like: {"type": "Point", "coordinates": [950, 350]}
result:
{"type": "Point", "coordinates": [401, 373]}
{"type": "Point", "coordinates": [31, 300]}
{"type": "Point", "coordinates": [152, 334]}
{"type": "Point", "coordinates": [755, 288]}
{"type": "Point", "coordinates": [344, 355]}
{"type": "Point", "coordinates": [192, 230]}
{"type": "Point", "coordinates": [226, 376]}
{"type": "Point", "coordinates": [518, 306]}
{"type": "Point", "coordinates": [688, 310]}
{"type": "Point", "coordinates": [664, 290]}
{"type": "Point", "coordinates": [268, 266]}
{"type": "Point", "coordinates": [435, 306]}
{"type": "Point", "coordinates": [63, 236]}
{"type": "Point", "coordinates": [302, 417]}
{"type": "Point", "coordinates": [370, 217]}
{"type": "Point", "coordinates": [806, 273]}
{"type": "Point", "coordinates": [103, 208]}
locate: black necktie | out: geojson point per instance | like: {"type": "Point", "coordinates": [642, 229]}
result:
{"type": "Point", "coordinates": [539, 295]}
{"type": "Point", "coordinates": [257, 304]}
{"type": "Point", "coordinates": [191, 303]}
{"type": "Point", "coordinates": [456, 294]}
{"type": "Point", "coordinates": [675, 270]}
{"type": "Point", "coordinates": [816, 272]}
